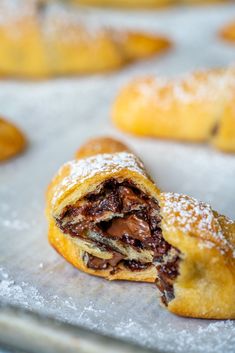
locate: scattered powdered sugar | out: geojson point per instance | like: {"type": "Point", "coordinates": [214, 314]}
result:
{"type": "Point", "coordinates": [176, 335]}
{"type": "Point", "coordinates": [10, 219]}
{"type": "Point", "coordinates": [21, 294]}
{"type": "Point", "coordinates": [191, 216]}
{"type": "Point", "coordinates": [41, 265]}
{"type": "Point", "coordinates": [208, 86]}
{"type": "Point", "coordinates": [3, 274]}
{"type": "Point", "coordinates": [171, 339]}
{"type": "Point", "coordinates": [71, 25]}
{"type": "Point", "coordinates": [200, 336]}
{"type": "Point", "coordinates": [13, 10]}
{"type": "Point", "coordinates": [15, 224]}
{"type": "Point", "coordinates": [28, 296]}
{"type": "Point", "coordinates": [216, 326]}
{"type": "Point", "coordinates": [81, 170]}
{"type": "Point", "coordinates": [54, 20]}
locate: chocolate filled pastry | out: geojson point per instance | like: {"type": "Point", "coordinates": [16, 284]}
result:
{"type": "Point", "coordinates": [40, 40]}
{"type": "Point", "coordinates": [143, 3]}
{"type": "Point", "coordinates": [108, 218]}
{"type": "Point", "coordinates": [12, 140]}
{"type": "Point", "coordinates": [199, 108]}
{"type": "Point", "coordinates": [127, 3]}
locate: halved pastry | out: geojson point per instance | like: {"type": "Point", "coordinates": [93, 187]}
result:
{"type": "Point", "coordinates": [110, 194]}
{"type": "Point", "coordinates": [40, 40]}
{"type": "Point", "coordinates": [108, 218]}
{"type": "Point", "coordinates": [12, 140]}
{"type": "Point", "coordinates": [198, 108]}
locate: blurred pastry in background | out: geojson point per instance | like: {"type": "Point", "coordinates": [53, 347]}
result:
{"type": "Point", "coordinates": [42, 40]}
{"type": "Point", "coordinates": [107, 217]}
{"type": "Point", "coordinates": [99, 145]}
{"type": "Point", "coordinates": [199, 108]}
{"type": "Point", "coordinates": [143, 3]}
{"type": "Point", "coordinates": [228, 32]}
{"type": "Point", "coordinates": [126, 3]}
{"type": "Point", "coordinates": [12, 140]}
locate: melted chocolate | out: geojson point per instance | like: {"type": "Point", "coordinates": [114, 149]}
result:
{"type": "Point", "coordinates": [215, 129]}
{"type": "Point", "coordinates": [101, 264]}
{"type": "Point", "coordinates": [120, 211]}
{"type": "Point", "coordinates": [131, 226]}
{"type": "Point", "coordinates": [167, 273]}
{"type": "Point", "coordinates": [136, 265]}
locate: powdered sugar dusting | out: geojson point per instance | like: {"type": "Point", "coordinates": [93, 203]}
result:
{"type": "Point", "coordinates": [69, 25]}
{"type": "Point", "coordinates": [186, 339]}
{"type": "Point", "coordinates": [204, 86]}
{"type": "Point", "coordinates": [22, 293]}
{"type": "Point", "coordinates": [193, 217]}
{"type": "Point", "coordinates": [84, 169]}
{"type": "Point", "coordinates": [54, 21]}
{"type": "Point", "coordinates": [175, 336]}
{"type": "Point", "coordinates": [41, 108]}
{"type": "Point", "coordinates": [29, 297]}
{"type": "Point", "coordinates": [9, 218]}
{"type": "Point", "coordinates": [14, 10]}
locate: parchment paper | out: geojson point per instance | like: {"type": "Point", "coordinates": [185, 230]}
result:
{"type": "Point", "coordinates": [58, 116]}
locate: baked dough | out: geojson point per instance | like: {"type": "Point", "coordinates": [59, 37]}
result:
{"type": "Point", "coordinates": [38, 41]}
{"type": "Point", "coordinates": [96, 169]}
{"type": "Point", "coordinates": [127, 3]}
{"type": "Point", "coordinates": [100, 145]}
{"type": "Point", "coordinates": [198, 108]}
{"type": "Point", "coordinates": [108, 218]}
{"type": "Point", "coordinates": [12, 140]}
{"type": "Point", "coordinates": [144, 3]}
{"type": "Point", "coordinates": [205, 286]}
{"type": "Point", "coordinates": [228, 32]}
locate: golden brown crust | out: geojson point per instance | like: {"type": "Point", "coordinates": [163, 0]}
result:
{"type": "Point", "coordinates": [121, 165]}
{"type": "Point", "coordinates": [127, 3]}
{"type": "Point", "coordinates": [38, 43]}
{"type": "Point", "coordinates": [100, 145]}
{"type": "Point", "coordinates": [12, 140]}
{"type": "Point", "coordinates": [77, 178]}
{"type": "Point", "coordinates": [143, 3]}
{"type": "Point", "coordinates": [137, 45]}
{"type": "Point", "coordinates": [228, 32]}
{"type": "Point", "coordinates": [196, 108]}
{"type": "Point", "coordinates": [205, 284]}
{"type": "Point", "coordinates": [205, 287]}
{"type": "Point", "coordinates": [224, 138]}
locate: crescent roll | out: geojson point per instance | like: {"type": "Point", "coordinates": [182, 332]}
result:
{"type": "Point", "coordinates": [197, 108]}
{"type": "Point", "coordinates": [12, 140]}
{"type": "Point", "coordinates": [39, 40]}
{"type": "Point", "coordinates": [108, 218]}
{"type": "Point", "coordinates": [228, 32]}
{"type": "Point", "coordinates": [127, 3]}
{"type": "Point", "coordinates": [143, 3]}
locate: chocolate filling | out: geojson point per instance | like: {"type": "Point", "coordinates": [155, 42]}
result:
{"type": "Point", "coordinates": [101, 264]}
{"type": "Point", "coordinates": [215, 129]}
{"type": "Point", "coordinates": [119, 216]}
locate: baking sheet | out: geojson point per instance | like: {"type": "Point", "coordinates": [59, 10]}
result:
{"type": "Point", "coordinates": [61, 114]}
